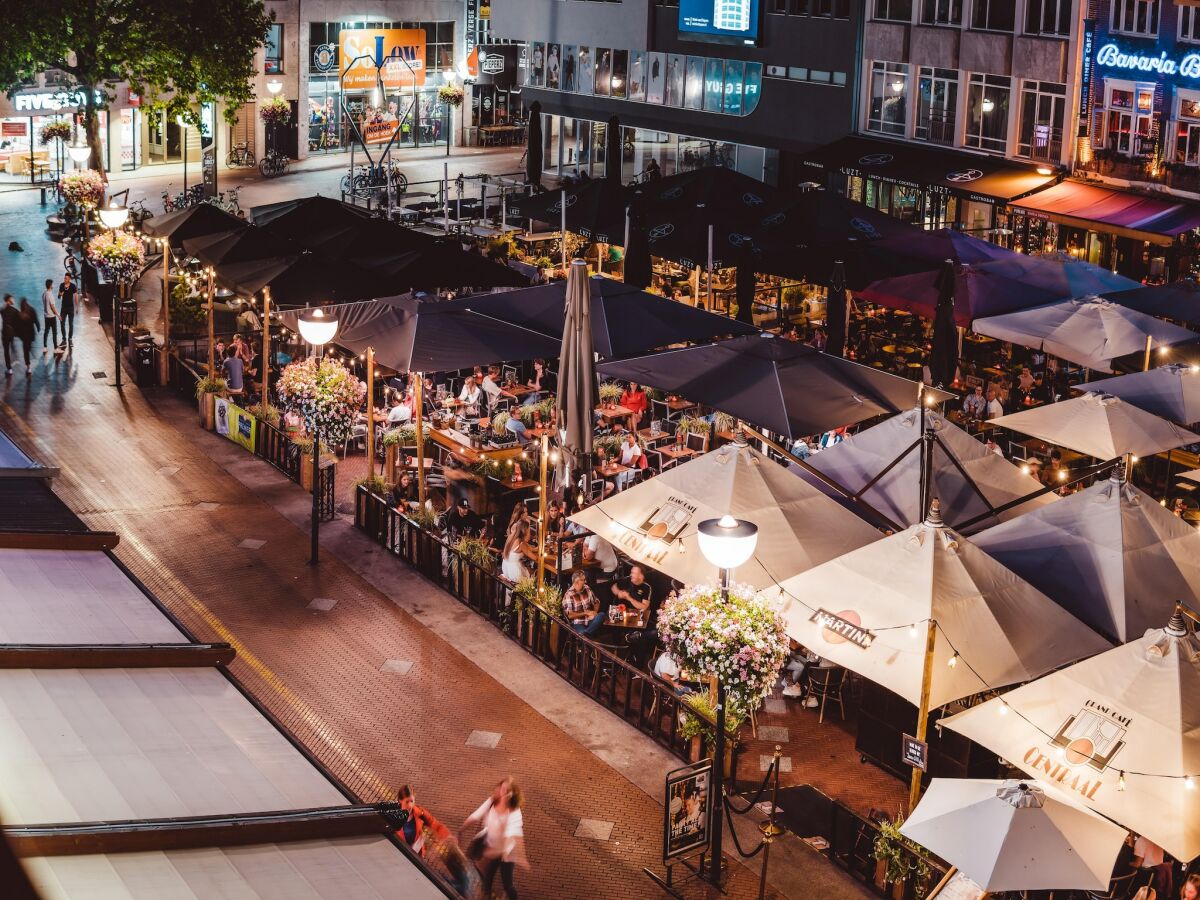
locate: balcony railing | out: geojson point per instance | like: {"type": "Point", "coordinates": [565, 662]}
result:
{"type": "Point", "coordinates": [937, 127]}
{"type": "Point", "coordinates": [1045, 144]}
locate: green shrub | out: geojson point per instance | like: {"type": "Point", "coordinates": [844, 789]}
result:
{"type": "Point", "coordinates": [208, 385]}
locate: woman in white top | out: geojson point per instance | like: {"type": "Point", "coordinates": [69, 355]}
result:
{"type": "Point", "coordinates": [471, 395]}
{"type": "Point", "coordinates": [500, 841]}
{"type": "Point", "coordinates": [512, 563]}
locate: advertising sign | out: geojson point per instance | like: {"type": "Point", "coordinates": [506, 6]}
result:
{"type": "Point", "coordinates": [379, 132]}
{"type": "Point", "coordinates": [915, 753]}
{"type": "Point", "coordinates": [732, 21]}
{"type": "Point", "coordinates": [400, 50]}
{"type": "Point", "coordinates": [686, 816]}
{"type": "Point", "coordinates": [242, 427]}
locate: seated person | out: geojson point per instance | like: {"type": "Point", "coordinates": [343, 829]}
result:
{"type": "Point", "coordinates": [400, 411]}
{"type": "Point", "coordinates": [581, 606]}
{"type": "Point", "coordinates": [666, 669]}
{"type": "Point", "coordinates": [404, 491]}
{"type": "Point", "coordinates": [470, 396]}
{"type": "Point", "coordinates": [232, 369]}
{"type": "Point", "coordinates": [975, 404]}
{"type": "Point", "coordinates": [633, 398]}
{"type": "Point", "coordinates": [598, 549]}
{"type": "Point", "coordinates": [631, 456]}
{"type": "Point", "coordinates": [515, 426]}
{"type": "Point", "coordinates": [543, 382]}
{"type": "Point", "coordinates": [634, 591]}
{"type": "Point", "coordinates": [491, 386]}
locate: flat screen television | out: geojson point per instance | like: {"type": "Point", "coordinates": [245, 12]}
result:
{"type": "Point", "coordinates": [720, 21]}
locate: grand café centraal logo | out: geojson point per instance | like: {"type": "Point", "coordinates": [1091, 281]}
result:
{"type": "Point", "coordinates": [1083, 747]}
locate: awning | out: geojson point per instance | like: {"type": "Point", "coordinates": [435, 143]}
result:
{"type": "Point", "coordinates": [987, 178]}
{"type": "Point", "coordinates": [1155, 219]}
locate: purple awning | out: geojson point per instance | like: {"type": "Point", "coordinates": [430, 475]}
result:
{"type": "Point", "coordinates": [1157, 219]}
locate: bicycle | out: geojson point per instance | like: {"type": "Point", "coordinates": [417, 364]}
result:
{"type": "Point", "coordinates": [138, 214]}
{"type": "Point", "coordinates": [227, 200]}
{"type": "Point", "coordinates": [240, 155]}
{"type": "Point", "coordinates": [183, 200]}
{"type": "Point", "coordinates": [274, 163]}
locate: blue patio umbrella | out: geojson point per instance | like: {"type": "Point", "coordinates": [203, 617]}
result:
{"type": "Point", "coordinates": [1065, 278]}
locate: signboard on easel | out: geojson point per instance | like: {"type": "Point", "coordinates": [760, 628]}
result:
{"type": "Point", "coordinates": [687, 820]}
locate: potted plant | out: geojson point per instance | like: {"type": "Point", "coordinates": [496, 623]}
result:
{"type": "Point", "coordinates": [698, 725]}
{"type": "Point", "coordinates": [451, 95]}
{"type": "Point", "coordinates": [265, 412]}
{"type": "Point", "coordinates": [305, 445]}
{"type": "Point", "coordinates": [610, 393]}
{"type": "Point", "coordinates": [275, 112]}
{"type": "Point", "coordinates": [373, 483]}
{"type": "Point", "coordinates": [549, 602]}
{"type": "Point", "coordinates": [545, 265]}
{"type": "Point", "coordinates": [898, 860]}
{"type": "Point", "coordinates": [207, 390]}
{"type": "Point", "coordinates": [326, 396]}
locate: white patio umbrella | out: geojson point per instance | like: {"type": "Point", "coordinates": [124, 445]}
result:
{"type": "Point", "coordinates": [884, 463]}
{"type": "Point", "coordinates": [1118, 733]}
{"type": "Point", "coordinates": [1099, 425]}
{"type": "Point", "coordinates": [1013, 836]}
{"type": "Point", "coordinates": [1172, 391]}
{"type": "Point", "coordinates": [798, 526]}
{"type": "Point", "coordinates": [1090, 331]}
{"type": "Point", "coordinates": [872, 611]}
{"type": "Point", "coordinates": [1109, 554]}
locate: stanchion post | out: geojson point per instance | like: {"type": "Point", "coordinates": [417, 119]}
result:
{"type": "Point", "coordinates": [769, 829]}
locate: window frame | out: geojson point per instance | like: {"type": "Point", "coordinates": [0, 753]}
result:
{"type": "Point", "coordinates": [1128, 10]}
{"type": "Point", "coordinates": [890, 14]}
{"type": "Point", "coordinates": [273, 28]}
{"type": "Point", "coordinates": [988, 6]}
{"type": "Point", "coordinates": [1065, 15]}
{"type": "Point", "coordinates": [945, 13]}
{"type": "Point", "coordinates": [888, 71]}
{"type": "Point", "coordinates": [1057, 93]}
{"type": "Point", "coordinates": [978, 141]}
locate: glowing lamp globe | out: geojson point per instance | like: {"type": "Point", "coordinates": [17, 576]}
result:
{"type": "Point", "coordinates": [316, 327]}
{"type": "Point", "coordinates": [727, 542]}
{"type": "Point", "coordinates": [274, 86]}
{"type": "Point", "coordinates": [79, 152]}
{"type": "Point", "coordinates": [113, 216]}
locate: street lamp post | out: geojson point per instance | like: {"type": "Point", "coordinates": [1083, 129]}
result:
{"type": "Point", "coordinates": [114, 217]}
{"type": "Point", "coordinates": [317, 329]}
{"type": "Point", "coordinates": [726, 543]}
{"type": "Point", "coordinates": [183, 125]}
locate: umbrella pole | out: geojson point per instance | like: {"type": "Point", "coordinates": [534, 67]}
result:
{"type": "Point", "coordinates": [418, 402]}
{"type": "Point", "coordinates": [371, 410]}
{"type": "Point", "coordinates": [914, 791]}
{"type": "Point", "coordinates": [266, 354]}
{"type": "Point", "coordinates": [543, 453]}
{"type": "Point", "coordinates": [710, 268]}
{"type": "Point", "coordinates": [1149, 346]}
{"type": "Point", "coordinates": [1167, 485]}
{"type": "Point", "coordinates": [165, 372]}
{"type": "Point", "coordinates": [563, 206]}
{"type": "Point", "coordinates": [212, 368]}
{"type": "Point", "coordinates": [921, 485]}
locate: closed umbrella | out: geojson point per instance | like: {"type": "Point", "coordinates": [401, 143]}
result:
{"type": "Point", "coordinates": [1014, 836]}
{"type": "Point", "coordinates": [1172, 392]}
{"type": "Point", "coordinates": [639, 270]}
{"type": "Point", "coordinates": [747, 285]}
{"type": "Point", "coordinates": [576, 399]}
{"type": "Point", "coordinates": [837, 312]}
{"type": "Point", "coordinates": [1098, 425]}
{"type": "Point", "coordinates": [196, 221]}
{"type": "Point", "coordinates": [1117, 733]}
{"type": "Point", "coordinates": [944, 362]}
{"type": "Point", "coordinates": [533, 146]}
{"type": "Point", "coordinates": [613, 148]}
{"type": "Point", "coordinates": [238, 245]}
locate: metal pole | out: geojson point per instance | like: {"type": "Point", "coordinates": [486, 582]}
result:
{"type": "Point", "coordinates": [316, 492]}
{"type": "Point", "coordinates": [184, 148]}
{"type": "Point", "coordinates": [714, 859]}
{"type": "Point", "coordinates": [418, 402]}
{"type": "Point", "coordinates": [266, 354]}
{"type": "Point", "coordinates": [710, 269]}
{"type": "Point", "coordinates": [212, 368]}
{"type": "Point", "coordinates": [769, 829]}
{"type": "Point", "coordinates": [117, 297]}
{"type": "Point", "coordinates": [563, 205]}
{"type": "Point", "coordinates": [1149, 346]}
{"type": "Point", "coordinates": [165, 361]}
{"type": "Point", "coordinates": [543, 453]}
{"type": "Point", "coordinates": [371, 410]}
{"type": "Point", "coordinates": [914, 790]}
{"type": "Point", "coordinates": [446, 196]}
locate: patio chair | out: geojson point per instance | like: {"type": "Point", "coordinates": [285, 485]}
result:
{"type": "Point", "coordinates": [697, 442]}
{"type": "Point", "coordinates": [825, 683]}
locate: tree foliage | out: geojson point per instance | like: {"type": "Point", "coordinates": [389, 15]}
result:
{"type": "Point", "coordinates": [176, 54]}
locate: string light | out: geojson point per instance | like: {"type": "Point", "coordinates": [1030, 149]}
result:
{"type": "Point", "coordinates": [1003, 708]}
{"type": "Point", "coordinates": [912, 630]}
{"type": "Point", "coordinates": [1189, 783]}
{"type": "Point", "coordinates": [1121, 781]}
{"type": "Point", "coordinates": [953, 660]}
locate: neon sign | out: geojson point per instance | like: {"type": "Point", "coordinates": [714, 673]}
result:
{"type": "Point", "coordinates": [1111, 56]}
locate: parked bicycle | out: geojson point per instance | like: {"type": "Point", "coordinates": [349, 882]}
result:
{"type": "Point", "coordinates": [227, 200]}
{"type": "Point", "coordinates": [240, 155]}
{"type": "Point", "coordinates": [139, 213]}
{"type": "Point", "coordinates": [182, 200]}
{"type": "Point", "coordinates": [274, 163]}
{"type": "Point", "coordinates": [365, 178]}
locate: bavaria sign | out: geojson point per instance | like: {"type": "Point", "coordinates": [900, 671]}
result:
{"type": "Point", "coordinates": [1112, 57]}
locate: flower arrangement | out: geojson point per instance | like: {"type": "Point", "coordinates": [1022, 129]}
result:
{"type": "Point", "coordinates": [58, 130]}
{"type": "Point", "coordinates": [117, 254]}
{"type": "Point", "coordinates": [450, 94]}
{"type": "Point", "coordinates": [742, 642]}
{"type": "Point", "coordinates": [83, 187]}
{"type": "Point", "coordinates": [324, 394]}
{"type": "Point", "coordinates": [276, 111]}
{"type": "Point", "coordinates": [610, 391]}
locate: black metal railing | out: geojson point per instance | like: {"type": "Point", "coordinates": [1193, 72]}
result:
{"type": "Point", "coordinates": [278, 449]}
{"type": "Point", "coordinates": [1044, 143]}
{"type": "Point", "coordinates": [936, 127]}
{"type": "Point", "coordinates": [592, 667]}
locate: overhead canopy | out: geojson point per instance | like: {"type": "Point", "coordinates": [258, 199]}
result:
{"type": "Point", "coordinates": [625, 320]}
{"type": "Point", "coordinates": [367, 239]}
{"type": "Point", "coordinates": [1098, 425]}
{"type": "Point", "coordinates": [1179, 300]}
{"type": "Point", "coordinates": [595, 209]}
{"type": "Point", "coordinates": [302, 280]}
{"type": "Point", "coordinates": [1172, 391]}
{"type": "Point", "coordinates": [1118, 733]}
{"type": "Point", "coordinates": [238, 245]}
{"type": "Point", "coordinates": [409, 335]}
{"type": "Point", "coordinates": [782, 385]}
{"type": "Point", "coordinates": [1065, 277]}
{"type": "Point", "coordinates": [1011, 836]}
{"type": "Point", "coordinates": [870, 610]}
{"type": "Point", "coordinates": [442, 264]}
{"type": "Point", "coordinates": [16, 462]}
{"type": "Point", "coordinates": [967, 478]}
{"type": "Point", "coordinates": [798, 526]}
{"type": "Point", "coordinates": [302, 217]}
{"type": "Point", "coordinates": [1089, 331]}
{"type": "Point", "coordinates": [1109, 554]}
{"type": "Point", "coordinates": [922, 165]}
{"type": "Point", "coordinates": [932, 248]}
{"type": "Point", "coordinates": [977, 293]}
{"type": "Point", "coordinates": [196, 221]}
{"type": "Point", "coordinates": [1159, 219]}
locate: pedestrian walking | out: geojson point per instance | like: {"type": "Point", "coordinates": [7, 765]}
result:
{"type": "Point", "coordinates": [10, 318]}
{"type": "Point", "coordinates": [499, 845]}
{"type": "Point", "coordinates": [67, 293]}
{"type": "Point", "coordinates": [49, 317]}
{"type": "Point", "coordinates": [429, 838]}
{"type": "Point", "coordinates": [28, 326]}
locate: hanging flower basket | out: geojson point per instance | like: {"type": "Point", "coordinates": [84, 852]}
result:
{"type": "Point", "coordinates": [83, 187]}
{"type": "Point", "coordinates": [740, 642]}
{"type": "Point", "coordinates": [55, 131]}
{"type": "Point", "coordinates": [324, 394]}
{"type": "Point", "coordinates": [119, 256]}
{"type": "Point", "coordinates": [451, 95]}
{"type": "Point", "coordinates": [276, 111]}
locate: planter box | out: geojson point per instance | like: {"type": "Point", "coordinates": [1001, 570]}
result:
{"type": "Point", "coordinates": [207, 406]}
{"type": "Point", "coordinates": [306, 463]}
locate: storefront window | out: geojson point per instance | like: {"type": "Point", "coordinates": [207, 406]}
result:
{"type": "Point", "coordinates": [937, 101]}
{"type": "Point", "coordinates": [987, 113]}
{"type": "Point", "coordinates": [1187, 129]}
{"type": "Point", "coordinates": [1043, 105]}
{"type": "Point", "coordinates": [273, 50]}
{"type": "Point", "coordinates": [1135, 16]}
{"type": "Point", "coordinates": [888, 113]}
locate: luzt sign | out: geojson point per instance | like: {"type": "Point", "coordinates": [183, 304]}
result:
{"type": "Point", "coordinates": [1113, 57]}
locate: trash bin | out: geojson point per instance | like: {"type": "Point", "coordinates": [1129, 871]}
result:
{"type": "Point", "coordinates": [143, 361]}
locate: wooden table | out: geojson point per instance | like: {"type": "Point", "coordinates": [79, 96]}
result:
{"type": "Point", "coordinates": [619, 412]}
{"type": "Point", "coordinates": [677, 452]}
{"type": "Point", "coordinates": [520, 390]}
{"type": "Point", "coordinates": [678, 404]}
{"type": "Point", "coordinates": [653, 439]}
{"type": "Point", "coordinates": [611, 470]}
{"type": "Point", "coordinates": [633, 619]}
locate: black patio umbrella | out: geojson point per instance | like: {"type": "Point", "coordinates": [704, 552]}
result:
{"type": "Point", "coordinates": [411, 335]}
{"type": "Point", "coordinates": [713, 191]}
{"type": "Point", "coordinates": [747, 284]}
{"type": "Point", "coordinates": [595, 209]}
{"type": "Point", "coordinates": [785, 386]}
{"type": "Point", "coordinates": [944, 360]}
{"type": "Point", "coordinates": [368, 238]}
{"type": "Point", "coordinates": [837, 312]}
{"type": "Point", "coordinates": [302, 279]}
{"type": "Point", "coordinates": [533, 146]}
{"type": "Point", "coordinates": [613, 147]}
{"type": "Point", "coordinates": [238, 245]}
{"type": "Point", "coordinates": [443, 264]}
{"type": "Point", "coordinates": [195, 221]}
{"type": "Point", "coordinates": [1179, 300]}
{"type": "Point", "coordinates": [306, 215]}
{"type": "Point", "coordinates": [625, 320]}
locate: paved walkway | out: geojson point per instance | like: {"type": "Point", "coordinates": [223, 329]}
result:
{"type": "Point", "coordinates": [386, 686]}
